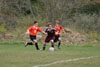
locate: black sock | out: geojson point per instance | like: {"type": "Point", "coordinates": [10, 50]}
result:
{"type": "Point", "coordinates": [44, 46]}
{"type": "Point", "coordinates": [52, 45]}
{"type": "Point", "coordinates": [59, 43]}
{"type": "Point", "coordinates": [36, 45]}
{"type": "Point", "coordinates": [29, 43]}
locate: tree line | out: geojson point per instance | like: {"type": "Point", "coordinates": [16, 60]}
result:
{"type": "Point", "coordinates": [83, 14]}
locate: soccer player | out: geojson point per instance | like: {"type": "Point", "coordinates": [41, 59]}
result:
{"type": "Point", "coordinates": [50, 35]}
{"type": "Point", "coordinates": [32, 31]}
{"type": "Point", "coordinates": [58, 33]}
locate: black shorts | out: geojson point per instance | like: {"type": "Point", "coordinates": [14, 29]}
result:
{"type": "Point", "coordinates": [49, 38]}
{"type": "Point", "coordinates": [56, 38]}
{"type": "Point", "coordinates": [32, 37]}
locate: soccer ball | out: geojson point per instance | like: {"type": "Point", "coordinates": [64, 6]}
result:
{"type": "Point", "coordinates": [51, 49]}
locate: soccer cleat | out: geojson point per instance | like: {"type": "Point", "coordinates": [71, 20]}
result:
{"type": "Point", "coordinates": [43, 48]}
{"type": "Point", "coordinates": [26, 44]}
{"type": "Point", "coordinates": [38, 49]}
{"type": "Point", "coordinates": [59, 47]}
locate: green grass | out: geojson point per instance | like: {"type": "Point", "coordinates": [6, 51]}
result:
{"type": "Point", "coordinates": [16, 55]}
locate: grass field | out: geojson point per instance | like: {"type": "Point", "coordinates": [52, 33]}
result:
{"type": "Point", "coordinates": [16, 55]}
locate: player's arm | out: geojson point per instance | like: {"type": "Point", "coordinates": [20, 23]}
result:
{"type": "Point", "coordinates": [62, 29]}
{"type": "Point", "coordinates": [28, 30]}
{"type": "Point", "coordinates": [40, 30]}
{"type": "Point", "coordinates": [54, 29]}
{"type": "Point", "coordinates": [44, 32]}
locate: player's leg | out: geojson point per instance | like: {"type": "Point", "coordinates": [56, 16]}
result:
{"type": "Point", "coordinates": [30, 43]}
{"type": "Point", "coordinates": [52, 43]}
{"type": "Point", "coordinates": [44, 45]}
{"type": "Point", "coordinates": [47, 40]}
{"type": "Point", "coordinates": [36, 44]}
{"type": "Point", "coordinates": [59, 43]}
{"type": "Point", "coordinates": [56, 38]}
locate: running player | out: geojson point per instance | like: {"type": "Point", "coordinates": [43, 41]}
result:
{"type": "Point", "coordinates": [50, 35]}
{"type": "Point", "coordinates": [32, 31]}
{"type": "Point", "coordinates": [58, 33]}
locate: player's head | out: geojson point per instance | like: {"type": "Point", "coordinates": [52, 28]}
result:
{"type": "Point", "coordinates": [57, 22]}
{"type": "Point", "coordinates": [49, 25]}
{"type": "Point", "coordinates": [35, 23]}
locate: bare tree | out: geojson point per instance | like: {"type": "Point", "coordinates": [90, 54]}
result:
{"type": "Point", "coordinates": [11, 10]}
{"type": "Point", "coordinates": [30, 7]}
{"type": "Point", "coordinates": [60, 9]}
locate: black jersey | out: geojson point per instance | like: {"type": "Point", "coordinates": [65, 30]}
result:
{"type": "Point", "coordinates": [50, 32]}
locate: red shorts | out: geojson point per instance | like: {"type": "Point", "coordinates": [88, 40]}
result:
{"type": "Point", "coordinates": [49, 38]}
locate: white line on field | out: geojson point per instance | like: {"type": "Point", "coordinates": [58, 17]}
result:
{"type": "Point", "coordinates": [65, 61]}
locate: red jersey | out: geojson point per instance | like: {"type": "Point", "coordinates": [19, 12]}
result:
{"type": "Point", "coordinates": [33, 30]}
{"type": "Point", "coordinates": [59, 28]}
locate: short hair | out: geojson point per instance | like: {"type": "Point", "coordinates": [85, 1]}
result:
{"type": "Point", "coordinates": [35, 22]}
{"type": "Point", "coordinates": [57, 22]}
{"type": "Point", "coordinates": [49, 24]}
